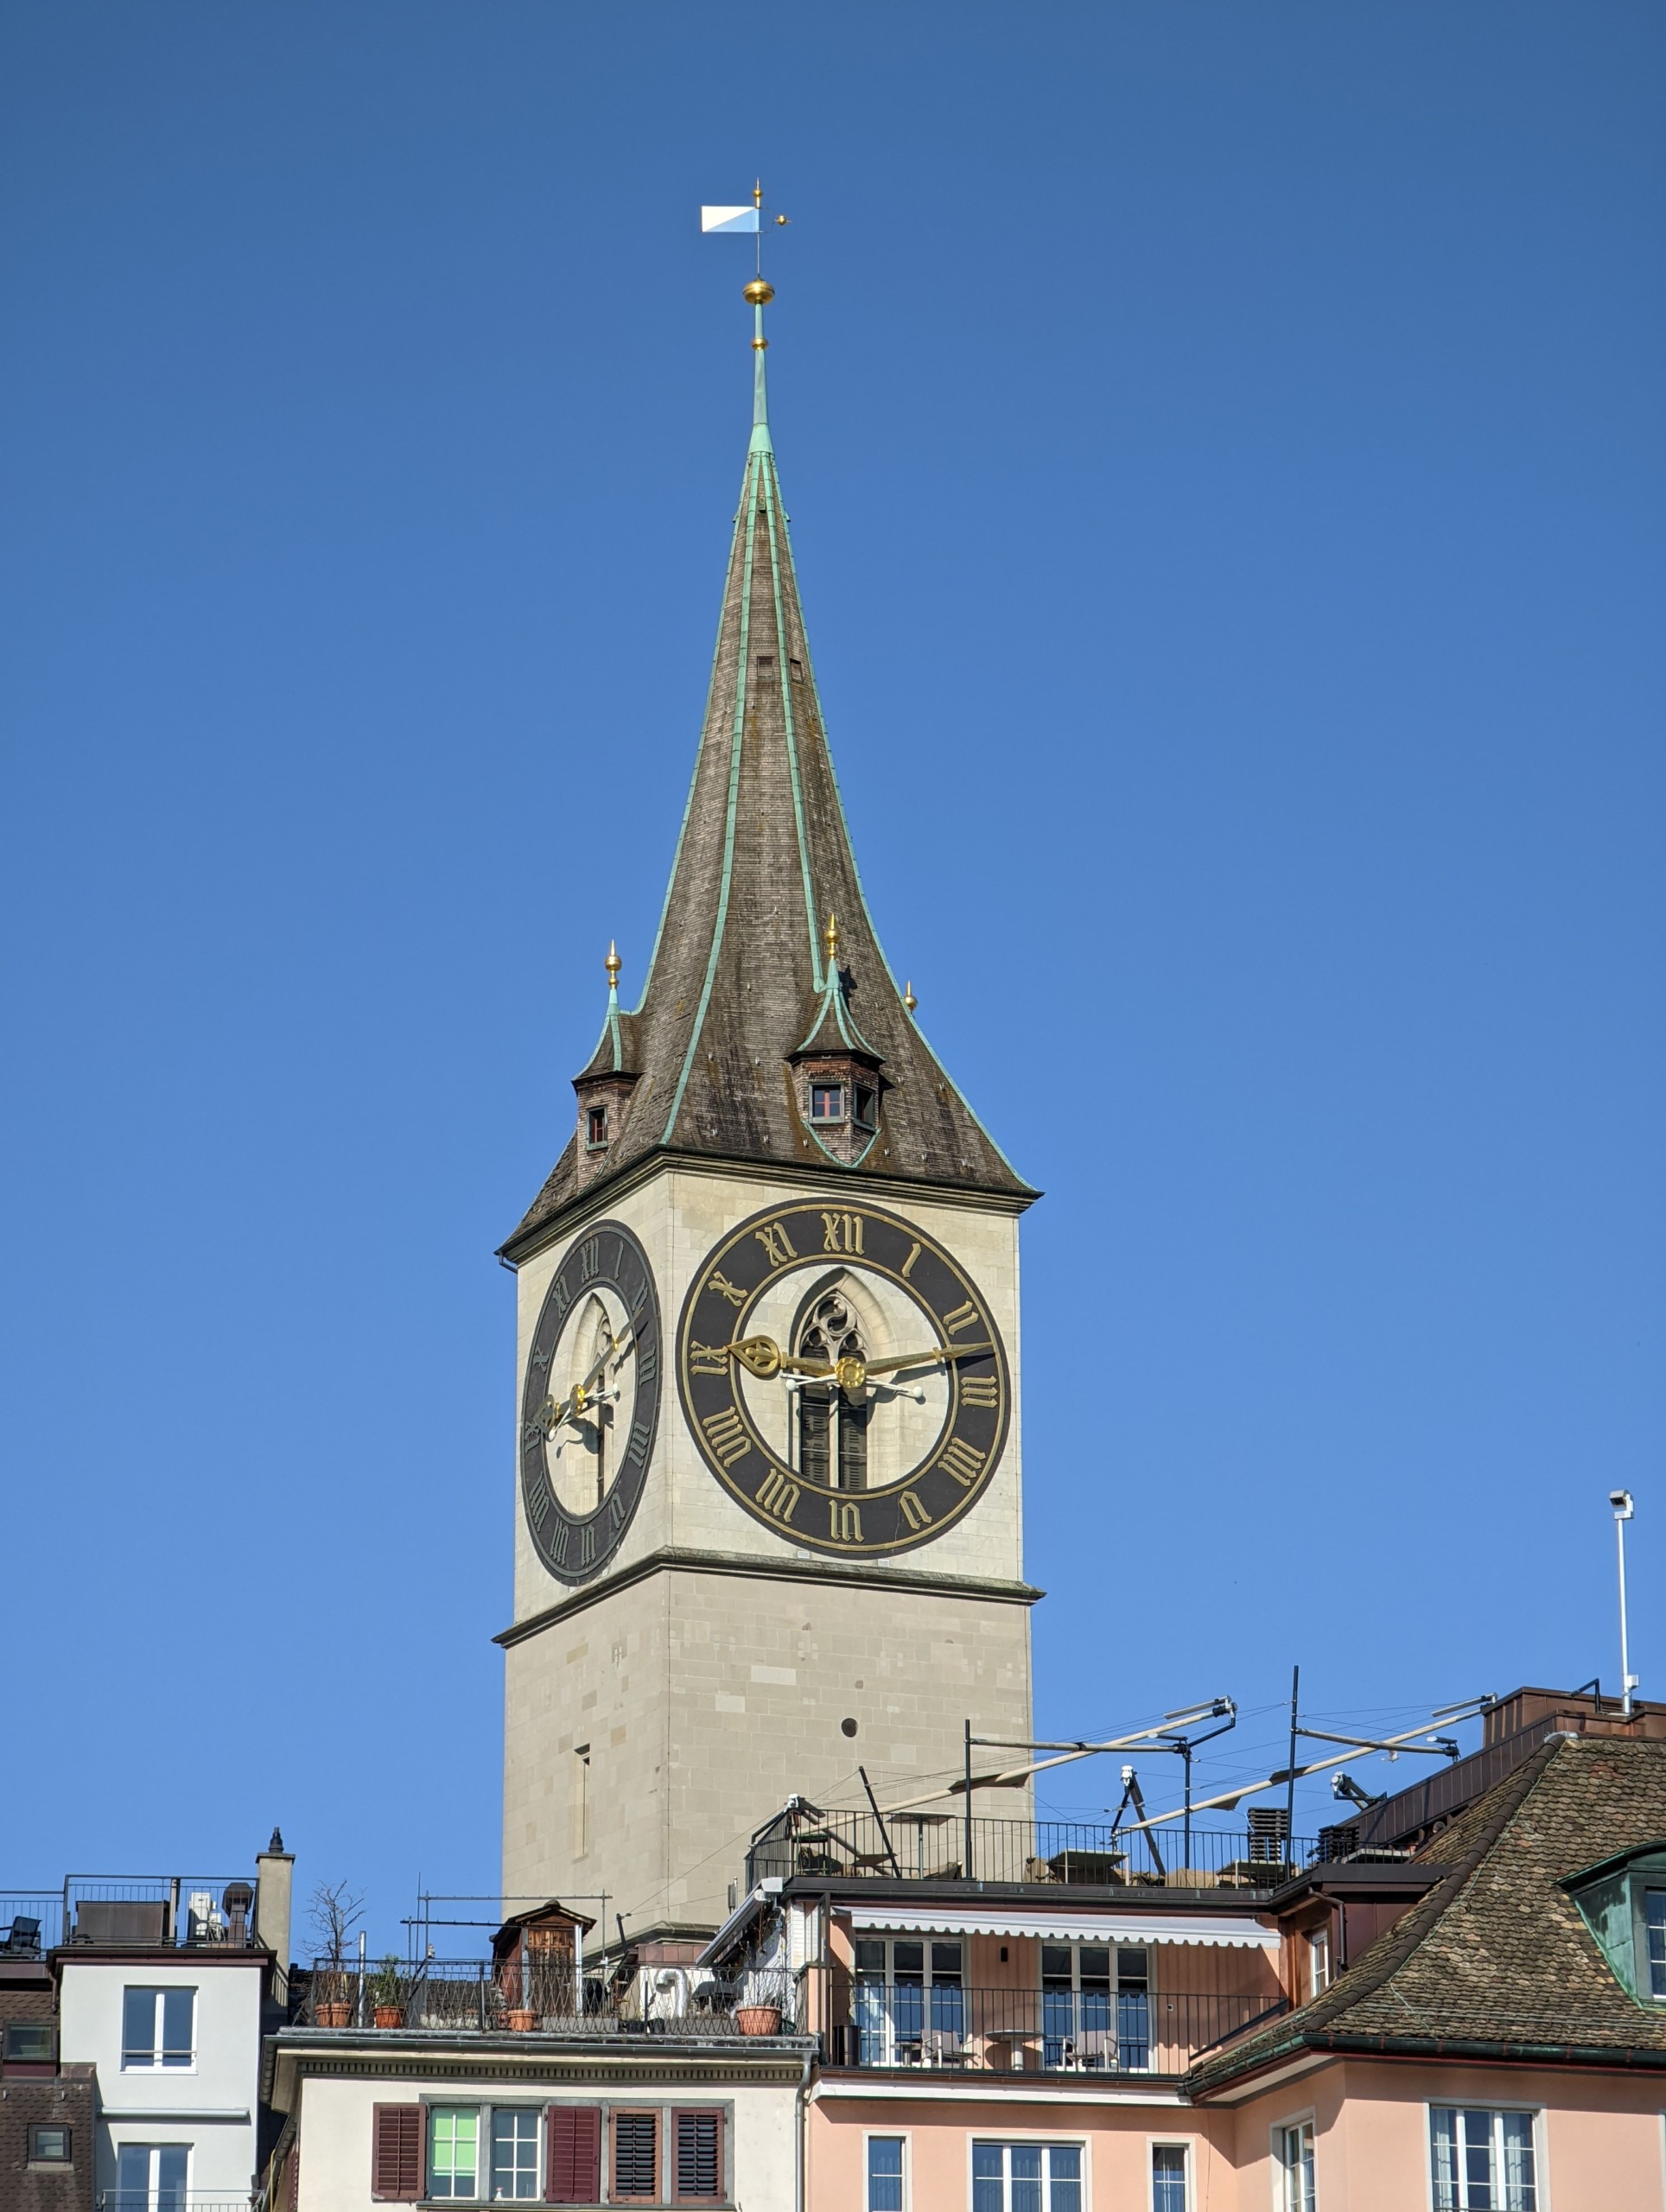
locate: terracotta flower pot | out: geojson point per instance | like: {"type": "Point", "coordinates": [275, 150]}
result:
{"type": "Point", "coordinates": [758, 2020]}
{"type": "Point", "coordinates": [335, 2015]}
{"type": "Point", "coordinates": [389, 2016]}
{"type": "Point", "coordinates": [520, 2019]}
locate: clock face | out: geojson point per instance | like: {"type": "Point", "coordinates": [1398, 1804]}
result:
{"type": "Point", "coordinates": [843, 1378]}
{"type": "Point", "coordinates": [590, 1403]}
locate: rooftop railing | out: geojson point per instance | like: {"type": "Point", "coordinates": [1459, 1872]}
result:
{"type": "Point", "coordinates": [158, 1911]}
{"type": "Point", "coordinates": [31, 1922]}
{"type": "Point", "coordinates": [470, 1997]}
{"type": "Point", "coordinates": [1135, 2033]}
{"type": "Point", "coordinates": [932, 1847]}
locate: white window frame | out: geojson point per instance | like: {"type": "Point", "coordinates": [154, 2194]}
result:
{"type": "Point", "coordinates": [1534, 2112]}
{"type": "Point", "coordinates": [1282, 2201]}
{"type": "Point", "coordinates": [1187, 2145]}
{"type": "Point", "coordinates": [485, 2110]}
{"type": "Point", "coordinates": [152, 2184]}
{"type": "Point", "coordinates": [891, 2135]}
{"type": "Point", "coordinates": [1025, 2139]}
{"type": "Point", "coordinates": [1319, 1959]}
{"type": "Point", "coordinates": [157, 1991]}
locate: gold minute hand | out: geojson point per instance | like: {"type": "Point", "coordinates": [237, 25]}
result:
{"type": "Point", "coordinates": [934, 1357]}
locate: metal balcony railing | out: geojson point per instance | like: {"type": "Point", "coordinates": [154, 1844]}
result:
{"type": "Point", "coordinates": [1132, 2032]}
{"type": "Point", "coordinates": [163, 1911]}
{"type": "Point", "coordinates": [914, 1847]}
{"type": "Point", "coordinates": [469, 1996]}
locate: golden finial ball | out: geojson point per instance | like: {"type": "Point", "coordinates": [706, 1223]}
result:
{"type": "Point", "coordinates": [612, 964]}
{"type": "Point", "coordinates": [759, 293]}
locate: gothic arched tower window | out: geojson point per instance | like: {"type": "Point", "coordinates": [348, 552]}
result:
{"type": "Point", "coordinates": [831, 1424]}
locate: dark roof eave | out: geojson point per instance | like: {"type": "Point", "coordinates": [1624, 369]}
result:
{"type": "Point", "coordinates": [529, 1236]}
{"type": "Point", "coordinates": [1226, 2072]}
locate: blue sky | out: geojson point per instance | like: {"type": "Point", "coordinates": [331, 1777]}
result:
{"type": "Point", "coordinates": [1225, 453]}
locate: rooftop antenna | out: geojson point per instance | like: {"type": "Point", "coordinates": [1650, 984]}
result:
{"type": "Point", "coordinates": [1624, 1510]}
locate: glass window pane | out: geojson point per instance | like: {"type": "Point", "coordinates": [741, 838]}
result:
{"type": "Point", "coordinates": [1026, 2161]}
{"type": "Point", "coordinates": [178, 2021]}
{"type": "Point", "coordinates": [1131, 1970]}
{"type": "Point", "coordinates": [1519, 2192]}
{"type": "Point", "coordinates": [514, 2157]}
{"type": "Point", "coordinates": [1168, 2178]}
{"type": "Point", "coordinates": [946, 1960]}
{"type": "Point", "coordinates": [133, 2172]}
{"type": "Point", "coordinates": [172, 2164]}
{"type": "Point", "coordinates": [1064, 2178]}
{"type": "Point", "coordinates": [870, 1958]}
{"type": "Point", "coordinates": [1443, 2158]}
{"type": "Point", "coordinates": [1475, 2162]}
{"type": "Point", "coordinates": [1055, 1962]}
{"type": "Point", "coordinates": [1654, 1913]}
{"type": "Point", "coordinates": [1095, 1964]}
{"type": "Point", "coordinates": [885, 2173]}
{"type": "Point", "coordinates": [908, 1958]}
{"type": "Point", "coordinates": [139, 2029]}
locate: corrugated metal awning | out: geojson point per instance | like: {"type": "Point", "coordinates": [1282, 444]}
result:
{"type": "Point", "coordinates": [1236, 1931]}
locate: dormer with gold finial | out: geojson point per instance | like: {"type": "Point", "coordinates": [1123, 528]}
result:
{"type": "Point", "coordinates": [834, 1072]}
{"type": "Point", "coordinates": [605, 1087]}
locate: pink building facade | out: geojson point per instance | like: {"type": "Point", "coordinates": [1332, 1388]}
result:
{"type": "Point", "coordinates": [1470, 2021]}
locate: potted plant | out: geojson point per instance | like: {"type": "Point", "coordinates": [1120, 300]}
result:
{"type": "Point", "coordinates": [758, 2020]}
{"type": "Point", "coordinates": [333, 1914]}
{"type": "Point", "coordinates": [385, 1994]}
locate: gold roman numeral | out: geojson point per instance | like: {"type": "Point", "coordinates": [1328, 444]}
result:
{"type": "Point", "coordinates": [777, 1497]}
{"type": "Point", "coordinates": [979, 1390]}
{"type": "Point", "coordinates": [841, 1232]}
{"type": "Point", "coordinates": [590, 1258]}
{"type": "Point", "coordinates": [776, 1243]}
{"type": "Point", "coordinates": [708, 1359]}
{"type": "Point", "coordinates": [725, 1433]}
{"type": "Point", "coordinates": [843, 1521]}
{"type": "Point", "coordinates": [908, 1264]}
{"type": "Point", "coordinates": [912, 1511]}
{"type": "Point", "coordinates": [963, 1461]}
{"type": "Point", "coordinates": [963, 1317]}
{"type": "Point", "coordinates": [639, 1444]}
{"type": "Point", "coordinates": [719, 1282]}
{"type": "Point", "coordinates": [647, 1364]}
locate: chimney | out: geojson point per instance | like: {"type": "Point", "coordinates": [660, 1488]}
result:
{"type": "Point", "coordinates": [274, 1877]}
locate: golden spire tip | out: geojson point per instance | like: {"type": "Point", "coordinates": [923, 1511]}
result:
{"type": "Point", "coordinates": [612, 964]}
{"type": "Point", "coordinates": [831, 939]}
{"type": "Point", "coordinates": [908, 998]}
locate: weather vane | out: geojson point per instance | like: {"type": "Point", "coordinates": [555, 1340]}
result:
{"type": "Point", "coordinates": [742, 220]}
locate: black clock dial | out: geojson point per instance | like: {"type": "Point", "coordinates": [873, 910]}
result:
{"type": "Point", "coordinates": [590, 1403]}
{"type": "Point", "coordinates": [780, 1467]}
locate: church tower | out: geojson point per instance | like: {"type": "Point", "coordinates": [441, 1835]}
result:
{"type": "Point", "coordinates": [768, 1520]}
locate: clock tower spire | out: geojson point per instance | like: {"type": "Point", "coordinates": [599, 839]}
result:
{"type": "Point", "coordinates": [770, 1514]}
{"type": "Point", "coordinates": [739, 965]}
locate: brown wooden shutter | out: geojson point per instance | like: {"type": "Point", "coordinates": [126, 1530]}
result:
{"type": "Point", "coordinates": [396, 2164]}
{"type": "Point", "coordinates": [698, 2175]}
{"type": "Point", "coordinates": [572, 2166]}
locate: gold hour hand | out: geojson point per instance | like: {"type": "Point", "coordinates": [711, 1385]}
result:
{"type": "Point", "coordinates": [763, 1357]}
{"type": "Point", "coordinates": [937, 1355]}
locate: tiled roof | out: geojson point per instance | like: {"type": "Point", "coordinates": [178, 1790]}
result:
{"type": "Point", "coordinates": [1496, 1959]}
{"type": "Point", "coordinates": [763, 861]}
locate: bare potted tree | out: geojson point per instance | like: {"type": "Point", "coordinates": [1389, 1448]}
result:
{"type": "Point", "coordinates": [333, 1912]}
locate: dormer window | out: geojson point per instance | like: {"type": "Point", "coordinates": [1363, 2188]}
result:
{"type": "Point", "coordinates": [595, 1128]}
{"type": "Point", "coordinates": [827, 1102]}
{"type": "Point", "coordinates": [866, 1106]}
{"type": "Point", "coordinates": [1623, 1902]}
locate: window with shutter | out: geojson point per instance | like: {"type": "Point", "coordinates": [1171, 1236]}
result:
{"type": "Point", "coordinates": [396, 2175]}
{"type": "Point", "coordinates": [636, 2158]}
{"type": "Point", "coordinates": [699, 2138]}
{"type": "Point", "coordinates": [572, 2166]}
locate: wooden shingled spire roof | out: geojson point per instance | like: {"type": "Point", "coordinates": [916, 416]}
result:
{"type": "Point", "coordinates": [740, 975]}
